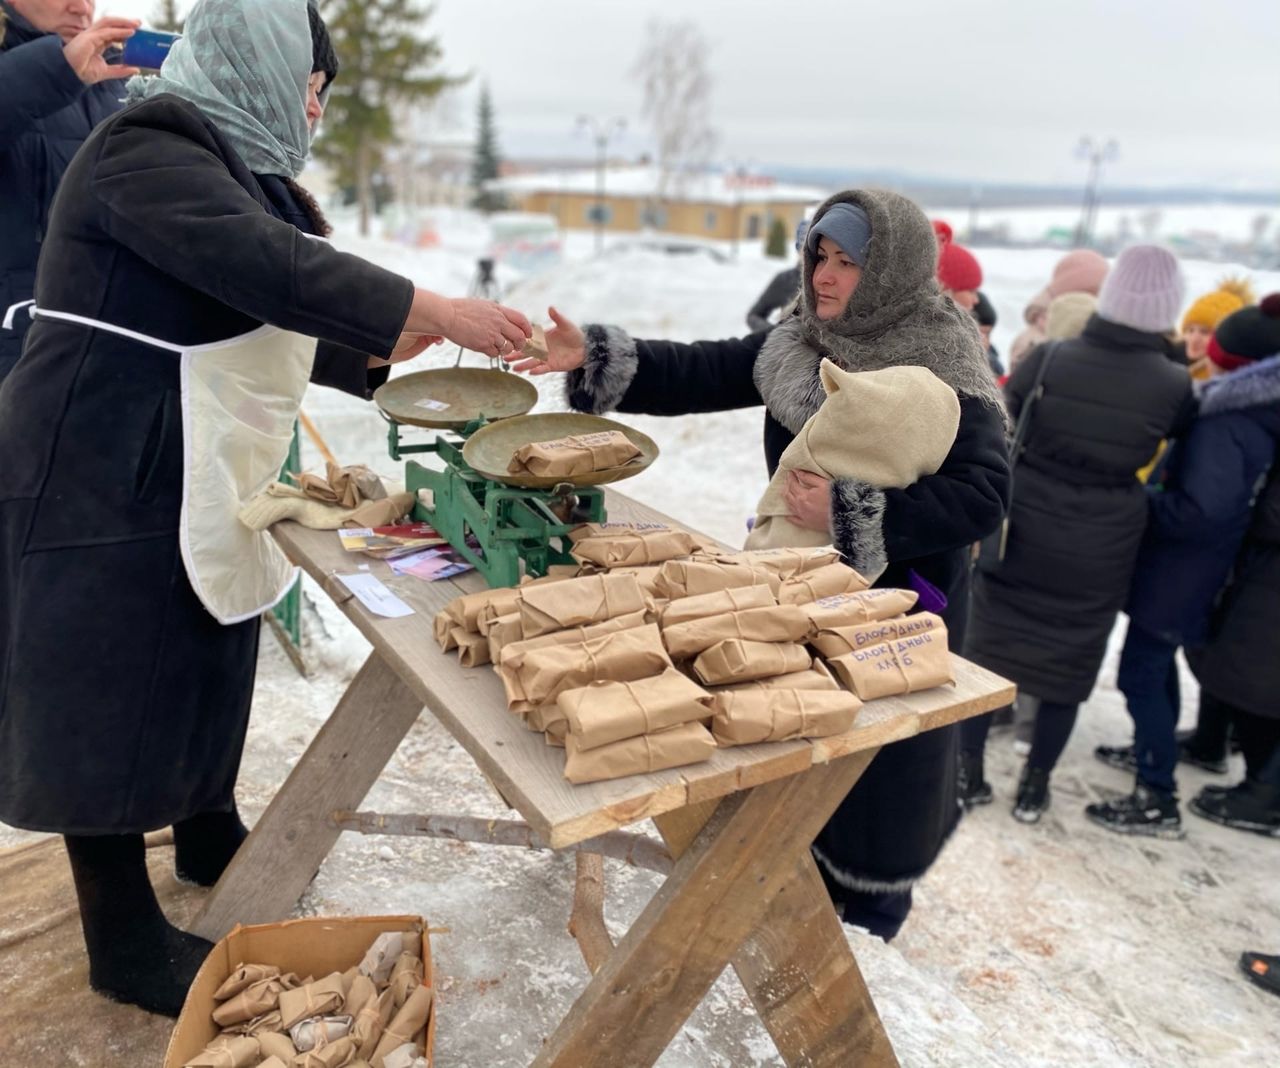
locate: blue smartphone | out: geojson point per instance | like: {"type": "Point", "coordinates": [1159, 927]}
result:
{"type": "Point", "coordinates": [147, 49]}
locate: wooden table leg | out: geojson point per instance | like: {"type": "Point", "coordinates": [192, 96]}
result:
{"type": "Point", "coordinates": [718, 893]}
{"type": "Point", "coordinates": [288, 844]}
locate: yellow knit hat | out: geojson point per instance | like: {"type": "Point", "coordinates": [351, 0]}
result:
{"type": "Point", "coordinates": [1208, 311]}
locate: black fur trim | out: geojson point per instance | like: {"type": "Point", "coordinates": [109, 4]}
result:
{"type": "Point", "coordinates": [605, 376]}
{"type": "Point", "coordinates": [857, 524]}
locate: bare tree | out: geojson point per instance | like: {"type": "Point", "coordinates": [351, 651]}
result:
{"type": "Point", "coordinates": [672, 71]}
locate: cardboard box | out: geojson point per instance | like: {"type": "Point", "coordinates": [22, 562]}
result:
{"type": "Point", "coordinates": [315, 946]}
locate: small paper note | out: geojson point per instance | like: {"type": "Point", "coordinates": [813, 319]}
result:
{"type": "Point", "coordinates": [371, 593]}
{"type": "Point", "coordinates": [431, 405]}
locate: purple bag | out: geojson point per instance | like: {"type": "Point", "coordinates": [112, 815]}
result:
{"type": "Point", "coordinates": [932, 599]}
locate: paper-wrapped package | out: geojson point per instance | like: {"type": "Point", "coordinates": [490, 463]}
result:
{"type": "Point", "coordinates": [605, 712]}
{"type": "Point", "coordinates": [903, 666]}
{"type": "Point", "coordinates": [556, 733]}
{"type": "Point", "coordinates": [275, 1044]}
{"type": "Point", "coordinates": [321, 998]}
{"type": "Point", "coordinates": [735, 660]}
{"type": "Point", "coordinates": [337, 1054]}
{"type": "Point", "coordinates": [227, 1051]}
{"type": "Point", "coordinates": [276, 1062]}
{"type": "Point", "coordinates": [690, 743]}
{"type": "Point", "coordinates": [777, 623]}
{"type": "Point", "coordinates": [244, 976]}
{"type": "Point", "coordinates": [465, 611]}
{"type": "Point", "coordinates": [539, 676]}
{"type": "Point", "coordinates": [817, 677]}
{"type": "Point", "coordinates": [381, 956]}
{"type": "Point", "coordinates": [503, 631]}
{"type": "Point", "coordinates": [738, 599]}
{"type": "Point", "coordinates": [259, 1025]}
{"type": "Point", "coordinates": [371, 1021]}
{"type": "Point", "coordinates": [578, 454]}
{"type": "Point", "coordinates": [406, 975]}
{"type": "Point", "coordinates": [690, 578]}
{"type": "Point", "coordinates": [836, 641]}
{"type": "Point", "coordinates": [473, 648]}
{"type": "Point", "coordinates": [647, 577]}
{"type": "Point", "coordinates": [409, 1019]}
{"type": "Point", "coordinates": [829, 581]}
{"type": "Point", "coordinates": [611, 545]}
{"type": "Point", "coordinates": [571, 635]}
{"type": "Point", "coordinates": [783, 562]}
{"type": "Point", "coordinates": [746, 717]}
{"type": "Point", "coordinates": [578, 602]}
{"type": "Point", "coordinates": [320, 1031]}
{"type": "Point", "coordinates": [361, 992]}
{"type": "Point", "coordinates": [866, 606]}
{"type": "Point", "coordinates": [255, 999]}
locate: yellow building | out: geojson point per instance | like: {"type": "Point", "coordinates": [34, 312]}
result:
{"type": "Point", "coordinates": [715, 207]}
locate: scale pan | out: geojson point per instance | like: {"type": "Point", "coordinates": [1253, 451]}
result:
{"type": "Point", "coordinates": [489, 450]}
{"type": "Point", "coordinates": [452, 397]}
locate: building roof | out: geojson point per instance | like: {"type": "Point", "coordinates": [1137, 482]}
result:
{"type": "Point", "coordinates": [643, 182]}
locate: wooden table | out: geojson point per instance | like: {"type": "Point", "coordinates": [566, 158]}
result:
{"type": "Point", "coordinates": [744, 889]}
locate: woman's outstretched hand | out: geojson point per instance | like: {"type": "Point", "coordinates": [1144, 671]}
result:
{"type": "Point", "coordinates": [566, 349]}
{"type": "Point", "coordinates": [808, 496]}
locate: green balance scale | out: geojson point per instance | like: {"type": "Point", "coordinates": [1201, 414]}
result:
{"type": "Point", "coordinates": [495, 520]}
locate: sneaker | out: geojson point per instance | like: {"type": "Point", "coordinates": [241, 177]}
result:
{"type": "Point", "coordinates": [1251, 806]}
{"type": "Point", "coordinates": [1033, 795]}
{"type": "Point", "coordinates": [973, 788]}
{"type": "Point", "coordinates": [1262, 970]}
{"type": "Point", "coordinates": [1117, 756]}
{"type": "Point", "coordinates": [1145, 811]}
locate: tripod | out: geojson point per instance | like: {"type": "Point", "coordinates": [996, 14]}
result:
{"type": "Point", "coordinates": [484, 285]}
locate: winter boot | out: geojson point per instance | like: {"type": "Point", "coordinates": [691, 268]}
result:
{"type": "Point", "coordinates": [1262, 970]}
{"type": "Point", "coordinates": [135, 955]}
{"type": "Point", "coordinates": [1033, 795]}
{"type": "Point", "coordinates": [1145, 811]}
{"type": "Point", "coordinates": [972, 785]}
{"type": "Point", "coordinates": [1121, 757]}
{"type": "Point", "coordinates": [1124, 758]}
{"type": "Point", "coordinates": [204, 845]}
{"type": "Point", "coordinates": [1251, 806]}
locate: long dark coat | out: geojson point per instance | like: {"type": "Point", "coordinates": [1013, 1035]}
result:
{"type": "Point", "coordinates": [123, 703]}
{"type": "Point", "coordinates": [1043, 617]}
{"type": "Point", "coordinates": [46, 112]}
{"type": "Point", "coordinates": [893, 824]}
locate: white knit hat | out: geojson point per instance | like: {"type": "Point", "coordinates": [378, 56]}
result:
{"type": "Point", "coordinates": [1144, 289]}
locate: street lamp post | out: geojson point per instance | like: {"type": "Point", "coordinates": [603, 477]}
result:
{"type": "Point", "coordinates": [601, 133]}
{"type": "Point", "coordinates": [1096, 154]}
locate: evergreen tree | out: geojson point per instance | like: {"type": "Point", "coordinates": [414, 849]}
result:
{"type": "Point", "coordinates": [486, 162]}
{"type": "Point", "coordinates": [776, 245]}
{"type": "Point", "coordinates": [384, 62]}
{"type": "Point", "coordinates": [165, 17]}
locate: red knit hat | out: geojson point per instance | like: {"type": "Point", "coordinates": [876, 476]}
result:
{"type": "Point", "coordinates": [958, 268]}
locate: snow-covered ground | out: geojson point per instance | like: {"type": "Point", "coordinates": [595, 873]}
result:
{"type": "Point", "coordinates": [1049, 945]}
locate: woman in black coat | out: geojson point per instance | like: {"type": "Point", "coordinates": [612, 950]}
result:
{"type": "Point", "coordinates": [1042, 617]}
{"type": "Point", "coordinates": [890, 829]}
{"type": "Point", "coordinates": [123, 702]}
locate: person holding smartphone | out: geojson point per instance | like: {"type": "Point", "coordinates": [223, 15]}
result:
{"type": "Point", "coordinates": [56, 86]}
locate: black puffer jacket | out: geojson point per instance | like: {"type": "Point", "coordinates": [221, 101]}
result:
{"type": "Point", "coordinates": [1042, 618]}
{"type": "Point", "coordinates": [46, 112]}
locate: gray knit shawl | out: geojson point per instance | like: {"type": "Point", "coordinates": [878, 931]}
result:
{"type": "Point", "coordinates": [896, 317]}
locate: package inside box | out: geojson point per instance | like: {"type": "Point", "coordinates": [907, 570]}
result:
{"type": "Point", "coordinates": [314, 946]}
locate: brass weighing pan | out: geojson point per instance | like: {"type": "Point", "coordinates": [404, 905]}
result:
{"type": "Point", "coordinates": [489, 450]}
{"type": "Point", "coordinates": [452, 397]}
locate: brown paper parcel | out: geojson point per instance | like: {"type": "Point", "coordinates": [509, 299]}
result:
{"type": "Point", "coordinates": [337, 1054]}
{"type": "Point", "coordinates": [274, 1044]}
{"type": "Point", "coordinates": [405, 976]}
{"type": "Point", "coordinates": [779, 623]}
{"type": "Point", "coordinates": [229, 1051]}
{"type": "Point", "coordinates": [578, 454]}
{"type": "Point", "coordinates": [320, 1031]}
{"type": "Point", "coordinates": [817, 677]}
{"type": "Point", "coordinates": [372, 1021]}
{"type": "Point", "coordinates": [867, 606]}
{"type": "Point", "coordinates": [541, 675]}
{"type": "Point", "coordinates": [571, 636]}
{"type": "Point", "coordinates": [718, 603]}
{"type": "Point", "coordinates": [690, 743]}
{"type": "Point", "coordinates": [784, 562]}
{"type": "Point", "coordinates": [244, 976]}
{"type": "Point", "coordinates": [836, 641]}
{"type": "Point", "coordinates": [578, 602]}
{"type": "Point", "coordinates": [321, 998]}
{"type": "Point", "coordinates": [605, 712]}
{"type": "Point", "coordinates": [907, 665]}
{"type": "Point", "coordinates": [465, 611]}
{"type": "Point", "coordinates": [828, 581]}
{"type": "Point", "coordinates": [612, 545]}
{"type": "Point", "coordinates": [254, 1000]}
{"type": "Point", "coordinates": [407, 1022]}
{"type": "Point", "coordinates": [690, 578]}
{"type": "Point", "coordinates": [747, 717]}
{"type": "Point", "coordinates": [735, 660]}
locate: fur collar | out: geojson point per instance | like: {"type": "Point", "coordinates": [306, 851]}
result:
{"type": "Point", "coordinates": [1254, 386]}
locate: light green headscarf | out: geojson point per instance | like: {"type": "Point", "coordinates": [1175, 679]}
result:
{"type": "Point", "coordinates": [245, 64]}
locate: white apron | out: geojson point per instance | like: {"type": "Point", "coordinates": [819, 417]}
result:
{"type": "Point", "coordinates": [240, 398]}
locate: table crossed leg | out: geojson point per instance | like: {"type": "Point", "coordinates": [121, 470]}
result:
{"type": "Point", "coordinates": [743, 890]}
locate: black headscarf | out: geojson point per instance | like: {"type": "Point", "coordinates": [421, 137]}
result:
{"type": "Point", "coordinates": [323, 57]}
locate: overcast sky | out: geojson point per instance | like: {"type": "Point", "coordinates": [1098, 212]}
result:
{"type": "Point", "coordinates": [983, 90]}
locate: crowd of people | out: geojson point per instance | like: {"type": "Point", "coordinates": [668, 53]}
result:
{"type": "Point", "coordinates": [174, 271]}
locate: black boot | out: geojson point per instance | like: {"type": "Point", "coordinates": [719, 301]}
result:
{"type": "Point", "coordinates": [1251, 806]}
{"type": "Point", "coordinates": [135, 955]}
{"type": "Point", "coordinates": [1033, 795]}
{"type": "Point", "coordinates": [1145, 811]}
{"type": "Point", "coordinates": [1124, 758]}
{"type": "Point", "coordinates": [1262, 969]}
{"type": "Point", "coordinates": [973, 787]}
{"type": "Point", "coordinates": [1121, 757]}
{"type": "Point", "coordinates": [204, 845]}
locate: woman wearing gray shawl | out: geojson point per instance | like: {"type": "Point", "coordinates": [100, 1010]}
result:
{"type": "Point", "coordinates": [182, 306]}
{"type": "Point", "coordinates": [869, 300]}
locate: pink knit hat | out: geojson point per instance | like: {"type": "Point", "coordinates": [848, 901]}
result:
{"type": "Point", "coordinates": [1144, 289]}
{"type": "Point", "coordinates": [1081, 271]}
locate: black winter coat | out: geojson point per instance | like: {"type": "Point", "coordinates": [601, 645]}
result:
{"type": "Point", "coordinates": [884, 836]}
{"type": "Point", "coordinates": [1199, 516]}
{"type": "Point", "coordinates": [782, 289]}
{"type": "Point", "coordinates": [123, 703]}
{"type": "Point", "coordinates": [1241, 662]}
{"type": "Point", "coordinates": [1042, 618]}
{"type": "Point", "coordinates": [46, 112]}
